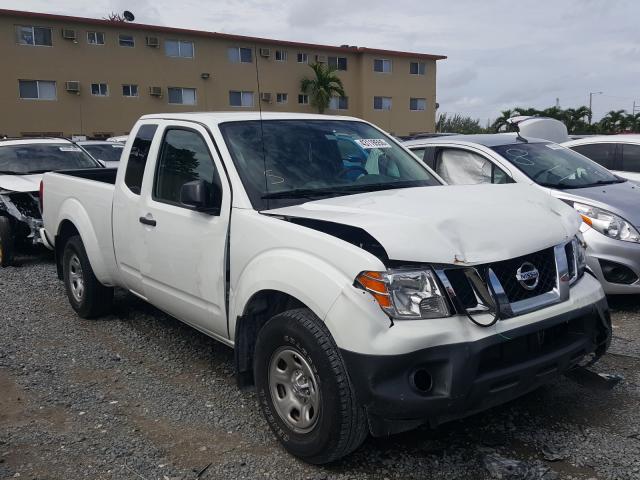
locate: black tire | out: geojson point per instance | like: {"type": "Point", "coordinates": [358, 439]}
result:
{"type": "Point", "coordinates": [96, 299]}
{"type": "Point", "coordinates": [7, 242]}
{"type": "Point", "coordinates": [341, 425]}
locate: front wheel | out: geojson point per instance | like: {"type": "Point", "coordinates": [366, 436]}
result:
{"type": "Point", "coordinates": [304, 389]}
{"type": "Point", "coordinates": [6, 242]}
{"type": "Point", "coordinates": [88, 297]}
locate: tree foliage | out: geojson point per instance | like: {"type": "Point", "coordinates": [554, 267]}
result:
{"type": "Point", "coordinates": [322, 86]}
{"type": "Point", "coordinates": [458, 124]}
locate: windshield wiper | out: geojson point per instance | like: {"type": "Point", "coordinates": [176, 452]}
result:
{"type": "Point", "coordinates": [33, 172]}
{"type": "Point", "coordinates": [346, 190]}
{"type": "Point", "coordinates": [303, 193]}
{"type": "Point", "coordinates": [8, 172]}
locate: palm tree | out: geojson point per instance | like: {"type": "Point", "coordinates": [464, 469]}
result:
{"type": "Point", "coordinates": [325, 85]}
{"type": "Point", "coordinates": [613, 122]}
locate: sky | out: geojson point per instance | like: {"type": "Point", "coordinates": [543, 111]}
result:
{"type": "Point", "coordinates": [501, 53]}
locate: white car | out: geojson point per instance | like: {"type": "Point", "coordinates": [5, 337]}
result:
{"type": "Point", "coordinates": [22, 163]}
{"type": "Point", "coordinates": [106, 152]}
{"type": "Point", "coordinates": [359, 296]}
{"type": "Point", "coordinates": [618, 153]}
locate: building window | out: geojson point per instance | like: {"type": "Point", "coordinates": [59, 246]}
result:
{"type": "Point", "coordinates": [417, 104]}
{"type": "Point", "coordinates": [178, 48]}
{"type": "Point", "coordinates": [36, 36]}
{"type": "Point", "coordinates": [240, 99]}
{"type": "Point", "coordinates": [182, 96]}
{"type": "Point", "coordinates": [95, 38]}
{"type": "Point", "coordinates": [303, 58]}
{"type": "Point", "coordinates": [339, 103]}
{"type": "Point", "coordinates": [126, 40]}
{"type": "Point", "coordinates": [303, 99]}
{"type": "Point", "coordinates": [240, 55]}
{"type": "Point", "coordinates": [37, 89]}
{"type": "Point", "coordinates": [282, 98]}
{"type": "Point", "coordinates": [417, 68]}
{"type": "Point", "coordinates": [99, 89]}
{"type": "Point", "coordinates": [129, 90]}
{"type": "Point", "coordinates": [337, 63]}
{"type": "Point", "coordinates": [382, 103]}
{"type": "Point", "coordinates": [281, 55]}
{"type": "Point", "coordinates": [381, 65]}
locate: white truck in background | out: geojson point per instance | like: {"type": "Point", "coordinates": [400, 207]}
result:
{"type": "Point", "coordinates": [361, 295]}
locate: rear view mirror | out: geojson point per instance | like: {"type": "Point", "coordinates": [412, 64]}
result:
{"type": "Point", "coordinates": [201, 196]}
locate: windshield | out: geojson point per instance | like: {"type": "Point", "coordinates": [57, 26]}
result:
{"type": "Point", "coordinates": [42, 157]}
{"type": "Point", "coordinates": [303, 160]}
{"type": "Point", "coordinates": [554, 166]}
{"type": "Point", "coordinates": [107, 152]}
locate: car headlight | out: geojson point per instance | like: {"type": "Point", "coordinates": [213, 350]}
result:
{"type": "Point", "coordinates": [405, 293]}
{"type": "Point", "coordinates": [607, 223]}
{"type": "Point", "coordinates": [579, 256]}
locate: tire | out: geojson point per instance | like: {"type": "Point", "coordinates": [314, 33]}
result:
{"type": "Point", "coordinates": [338, 426]}
{"type": "Point", "coordinates": [88, 297]}
{"type": "Point", "coordinates": [7, 243]}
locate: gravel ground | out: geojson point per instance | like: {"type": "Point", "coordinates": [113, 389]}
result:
{"type": "Point", "coordinates": [138, 395]}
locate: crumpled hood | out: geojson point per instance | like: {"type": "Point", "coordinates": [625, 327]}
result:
{"type": "Point", "coordinates": [21, 183]}
{"type": "Point", "coordinates": [620, 198]}
{"type": "Point", "coordinates": [451, 223]}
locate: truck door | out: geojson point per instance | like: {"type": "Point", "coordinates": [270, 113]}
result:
{"type": "Point", "coordinates": [128, 234]}
{"type": "Point", "coordinates": [186, 243]}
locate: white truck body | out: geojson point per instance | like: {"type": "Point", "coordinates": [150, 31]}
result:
{"type": "Point", "coordinates": [208, 269]}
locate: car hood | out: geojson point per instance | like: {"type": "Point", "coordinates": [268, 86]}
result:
{"type": "Point", "coordinates": [620, 198]}
{"type": "Point", "coordinates": [21, 183]}
{"type": "Point", "coordinates": [452, 224]}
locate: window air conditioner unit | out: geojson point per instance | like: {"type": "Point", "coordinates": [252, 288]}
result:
{"type": "Point", "coordinates": [265, 52]}
{"type": "Point", "coordinates": [72, 86]}
{"type": "Point", "coordinates": [265, 97]}
{"type": "Point", "coordinates": [69, 34]}
{"type": "Point", "coordinates": [153, 42]}
{"type": "Point", "coordinates": [321, 58]}
{"type": "Point", "coordinates": [155, 91]}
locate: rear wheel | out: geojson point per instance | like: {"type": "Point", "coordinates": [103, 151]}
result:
{"type": "Point", "coordinates": [6, 242]}
{"type": "Point", "coordinates": [88, 297]}
{"type": "Point", "coordinates": [304, 390]}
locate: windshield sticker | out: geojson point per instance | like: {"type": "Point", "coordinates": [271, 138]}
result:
{"type": "Point", "coordinates": [553, 146]}
{"type": "Point", "coordinates": [69, 149]}
{"type": "Point", "coordinates": [119, 147]}
{"type": "Point", "coordinates": [369, 143]}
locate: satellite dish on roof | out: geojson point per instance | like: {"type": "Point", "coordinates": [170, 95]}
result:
{"type": "Point", "coordinates": [128, 16]}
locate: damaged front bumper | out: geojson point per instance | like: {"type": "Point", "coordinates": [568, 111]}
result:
{"type": "Point", "coordinates": [442, 383]}
{"type": "Point", "coordinates": [24, 211]}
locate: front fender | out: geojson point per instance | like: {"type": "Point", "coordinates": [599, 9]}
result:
{"type": "Point", "coordinates": [304, 276]}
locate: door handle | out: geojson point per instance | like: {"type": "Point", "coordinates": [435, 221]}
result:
{"type": "Point", "coordinates": [148, 221]}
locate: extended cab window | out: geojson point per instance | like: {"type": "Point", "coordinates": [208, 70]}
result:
{"type": "Point", "coordinates": [138, 158]}
{"type": "Point", "coordinates": [184, 157]}
{"type": "Point", "coordinates": [461, 167]}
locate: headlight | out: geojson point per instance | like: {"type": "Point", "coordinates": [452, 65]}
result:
{"type": "Point", "coordinates": [579, 256]}
{"type": "Point", "coordinates": [607, 223]}
{"type": "Point", "coordinates": [406, 294]}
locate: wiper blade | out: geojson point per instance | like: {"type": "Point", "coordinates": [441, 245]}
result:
{"type": "Point", "coordinates": [8, 172]}
{"type": "Point", "coordinates": [33, 172]}
{"type": "Point", "coordinates": [304, 193]}
{"type": "Point", "coordinates": [346, 190]}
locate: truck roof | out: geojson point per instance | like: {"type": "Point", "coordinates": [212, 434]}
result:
{"type": "Point", "coordinates": [220, 117]}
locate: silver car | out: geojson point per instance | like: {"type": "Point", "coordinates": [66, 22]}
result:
{"type": "Point", "coordinates": [608, 204]}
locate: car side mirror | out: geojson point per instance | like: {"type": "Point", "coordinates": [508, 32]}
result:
{"type": "Point", "coordinates": [201, 196]}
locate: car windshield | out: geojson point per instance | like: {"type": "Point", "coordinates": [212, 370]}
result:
{"type": "Point", "coordinates": [302, 160]}
{"type": "Point", "coordinates": [554, 166]}
{"type": "Point", "coordinates": [107, 152]}
{"type": "Point", "coordinates": [42, 157]}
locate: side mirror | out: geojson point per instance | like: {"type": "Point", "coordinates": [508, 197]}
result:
{"type": "Point", "coordinates": [201, 196]}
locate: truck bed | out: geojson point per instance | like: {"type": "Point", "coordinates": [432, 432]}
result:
{"type": "Point", "coordinates": [103, 175]}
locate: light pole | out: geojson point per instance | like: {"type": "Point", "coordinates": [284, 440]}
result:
{"type": "Point", "coordinates": [591, 94]}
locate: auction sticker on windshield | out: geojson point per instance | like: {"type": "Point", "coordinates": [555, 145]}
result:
{"type": "Point", "coordinates": [368, 143]}
{"type": "Point", "coordinates": [69, 149]}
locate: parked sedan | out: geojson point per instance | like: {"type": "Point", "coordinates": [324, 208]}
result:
{"type": "Point", "coordinates": [607, 203]}
{"type": "Point", "coordinates": [22, 164]}
{"type": "Point", "coordinates": [107, 153]}
{"type": "Point", "coordinates": [618, 153]}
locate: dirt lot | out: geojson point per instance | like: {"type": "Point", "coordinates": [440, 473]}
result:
{"type": "Point", "coordinates": [138, 395]}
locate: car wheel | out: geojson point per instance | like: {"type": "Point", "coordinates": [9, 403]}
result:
{"type": "Point", "coordinates": [88, 297]}
{"type": "Point", "coordinates": [304, 389]}
{"type": "Point", "coordinates": [6, 242]}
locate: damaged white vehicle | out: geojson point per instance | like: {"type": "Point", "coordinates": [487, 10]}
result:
{"type": "Point", "coordinates": [360, 296]}
{"type": "Point", "coordinates": [22, 163]}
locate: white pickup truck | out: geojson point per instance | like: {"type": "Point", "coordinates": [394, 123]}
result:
{"type": "Point", "coordinates": [361, 295]}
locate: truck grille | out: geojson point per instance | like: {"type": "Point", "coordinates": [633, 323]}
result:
{"type": "Point", "coordinates": [506, 271]}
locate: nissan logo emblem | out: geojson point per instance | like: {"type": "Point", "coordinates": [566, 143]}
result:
{"type": "Point", "coordinates": [528, 276]}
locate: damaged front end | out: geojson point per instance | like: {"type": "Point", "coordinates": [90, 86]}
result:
{"type": "Point", "coordinates": [23, 211]}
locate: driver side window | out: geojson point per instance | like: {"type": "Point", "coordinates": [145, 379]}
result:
{"type": "Point", "coordinates": [461, 167]}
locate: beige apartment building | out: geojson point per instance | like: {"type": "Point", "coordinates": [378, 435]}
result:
{"type": "Point", "coordinates": [69, 76]}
